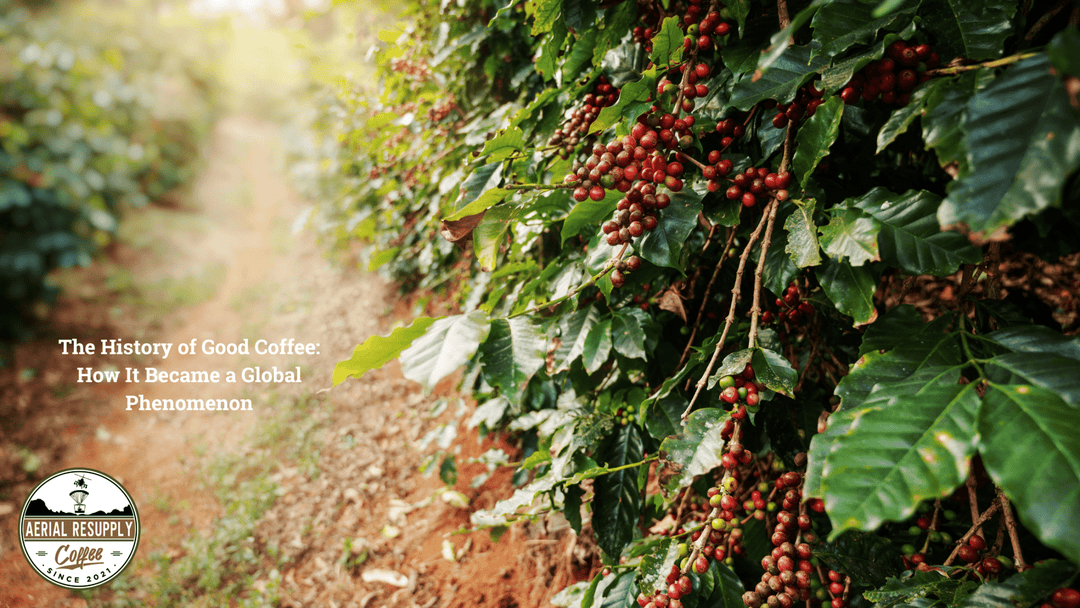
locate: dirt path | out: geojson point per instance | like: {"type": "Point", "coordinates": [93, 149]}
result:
{"type": "Point", "coordinates": [358, 504]}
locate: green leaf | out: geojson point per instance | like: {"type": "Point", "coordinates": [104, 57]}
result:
{"type": "Point", "coordinates": [1025, 589]}
{"type": "Point", "coordinates": [802, 243]}
{"type": "Point", "coordinates": [663, 246]}
{"type": "Point", "coordinates": [503, 146]}
{"type": "Point", "coordinates": [589, 214]}
{"type": "Point", "coordinates": [1031, 449]}
{"type": "Point", "coordinates": [851, 234]}
{"type": "Point", "coordinates": [726, 588]}
{"type": "Point", "coordinates": [513, 352]}
{"type": "Point", "coordinates": [663, 417]}
{"type": "Point", "coordinates": [622, 593]}
{"type": "Point", "coordinates": [866, 557]}
{"type": "Point", "coordinates": [901, 118]}
{"type": "Point", "coordinates": [1048, 370]}
{"type": "Point", "coordinates": [975, 30]}
{"type": "Point", "coordinates": [597, 346]}
{"type": "Point", "coordinates": [580, 15]}
{"type": "Point", "coordinates": [655, 566]}
{"type": "Point", "coordinates": [504, 511]}
{"type": "Point", "coordinates": [488, 199]}
{"type": "Point", "coordinates": [694, 451]}
{"type": "Point", "coordinates": [908, 446]}
{"type": "Point", "coordinates": [574, 333]}
{"type": "Point", "coordinates": [779, 81]}
{"type": "Point", "coordinates": [909, 236]}
{"type": "Point", "coordinates": [616, 505]}
{"type": "Point", "coordinates": [618, 20]}
{"type": "Point", "coordinates": [912, 586]}
{"type": "Point", "coordinates": [448, 344]}
{"type": "Point", "coordinates": [489, 234]}
{"type": "Point", "coordinates": [1064, 51]}
{"type": "Point", "coordinates": [732, 365]}
{"type": "Point", "coordinates": [549, 51]}
{"type": "Point", "coordinates": [816, 136]}
{"type": "Point", "coordinates": [945, 114]}
{"type": "Point", "coordinates": [774, 371]}
{"type": "Point", "coordinates": [544, 14]}
{"type": "Point", "coordinates": [478, 183]}
{"type": "Point", "coordinates": [377, 351]}
{"type": "Point", "coordinates": [572, 506]}
{"type": "Point", "coordinates": [628, 337]}
{"type": "Point", "coordinates": [1037, 339]}
{"type": "Point", "coordinates": [667, 45]}
{"type": "Point", "coordinates": [739, 10]}
{"type": "Point", "coordinates": [634, 100]}
{"type": "Point", "coordinates": [1021, 125]}
{"type": "Point", "coordinates": [580, 56]}
{"type": "Point", "coordinates": [842, 24]}
{"type": "Point", "coordinates": [851, 289]}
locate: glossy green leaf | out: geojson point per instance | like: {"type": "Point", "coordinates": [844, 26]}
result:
{"type": "Point", "coordinates": [622, 593]}
{"type": "Point", "coordinates": [975, 30]}
{"type": "Point", "coordinates": [909, 587]}
{"type": "Point", "coordinates": [720, 587]}
{"type": "Point", "coordinates": [842, 24]}
{"type": "Point", "coordinates": [489, 234]}
{"type": "Point", "coordinates": [628, 336]}
{"type": "Point", "coordinates": [864, 556]}
{"type": "Point", "coordinates": [1064, 51]}
{"type": "Point", "coordinates": [579, 15]}
{"type": "Point", "coordinates": [694, 451]}
{"type": "Point", "coordinates": [802, 242]}
{"type": "Point", "coordinates": [377, 351]}
{"type": "Point", "coordinates": [663, 417]}
{"type": "Point", "coordinates": [597, 346]}
{"type": "Point", "coordinates": [1025, 589]}
{"type": "Point", "coordinates": [478, 183]}
{"type": "Point", "coordinates": [851, 234]}
{"type": "Point", "coordinates": [1031, 449]}
{"type": "Point", "coordinates": [618, 20]}
{"type": "Point", "coordinates": [739, 9]}
{"type": "Point", "coordinates": [667, 45]}
{"type": "Point", "coordinates": [513, 352]}
{"type": "Point", "coordinates": [946, 112]}
{"type": "Point", "coordinates": [779, 270]}
{"type": "Point", "coordinates": [891, 329]}
{"type": "Point", "coordinates": [907, 447]}
{"type": "Point", "coordinates": [544, 14]}
{"type": "Point", "coordinates": [1020, 125]}
{"type": "Point", "coordinates": [503, 146]}
{"type": "Point", "coordinates": [850, 289]}
{"type": "Point", "coordinates": [655, 566]}
{"type": "Point", "coordinates": [580, 56]}
{"type": "Point", "coordinates": [550, 48]}
{"type": "Point", "coordinates": [448, 344]}
{"type": "Point", "coordinates": [1037, 339]}
{"type": "Point", "coordinates": [909, 235]}
{"type": "Point", "coordinates": [574, 333]}
{"type": "Point", "coordinates": [588, 215]}
{"type": "Point", "coordinates": [779, 81]}
{"type": "Point", "coordinates": [663, 246]}
{"type": "Point", "coordinates": [634, 100]}
{"type": "Point", "coordinates": [902, 117]}
{"type": "Point", "coordinates": [616, 505]}
{"type": "Point", "coordinates": [1048, 370]}
{"type": "Point", "coordinates": [774, 371]}
{"type": "Point", "coordinates": [816, 136]}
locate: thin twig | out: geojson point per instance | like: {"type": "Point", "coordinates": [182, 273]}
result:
{"type": "Point", "coordinates": [1041, 23]}
{"type": "Point", "coordinates": [755, 308]}
{"type": "Point", "coordinates": [997, 63]}
{"type": "Point", "coordinates": [736, 291]}
{"type": "Point", "coordinates": [1010, 525]}
{"type": "Point", "coordinates": [977, 523]}
{"type": "Point", "coordinates": [708, 292]}
{"type": "Point", "coordinates": [592, 281]}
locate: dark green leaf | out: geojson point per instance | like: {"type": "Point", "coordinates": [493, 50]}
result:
{"type": "Point", "coordinates": [1064, 51]}
{"type": "Point", "coordinates": [779, 81]}
{"type": "Point", "coordinates": [503, 146]}
{"type": "Point", "coordinates": [909, 236]}
{"type": "Point", "coordinates": [915, 585]}
{"type": "Point", "coordinates": [663, 246]}
{"type": "Point", "coordinates": [580, 55]}
{"type": "Point", "coordinates": [622, 593]}
{"type": "Point", "coordinates": [725, 590]}
{"type": "Point", "coordinates": [628, 337]}
{"type": "Point", "coordinates": [1031, 449]}
{"type": "Point", "coordinates": [1020, 125]}
{"type": "Point", "coordinates": [448, 344]}
{"type": "Point", "coordinates": [866, 557]}
{"type": "Point", "coordinates": [890, 330]}
{"type": "Point", "coordinates": [616, 505]}
{"type": "Point", "coordinates": [1025, 589]}
{"type": "Point", "coordinates": [597, 346]}
{"type": "Point", "coordinates": [851, 234]}
{"type": "Point", "coordinates": [377, 351]}
{"type": "Point", "coordinates": [580, 15]}
{"type": "Point", "coordinates": [544, 14]}
{"type": "Point", "coordinates": [513, 352]}
{"type": "Point", "coordinates": [694, 451]}
{"type": "Point", "coordinates": [634, 100]}
{"type": "Point", "coordinates": [589, 215]}
{"type": "Point", "coordinates": [902, 118]}
{"type": "Point", "coordinates": [549, 51]}
{"type": "Point", "coordinates": [802, 243]}
{"type": "Point", "coordinates": [739, 9]}
{"type": "Point", "coordinates": [572, 506]}
{"type": "Point", "coordinates": [774, 371]}
{"type": "Point", "coordinates": [975, 30]}
{"type": "Point", "coordinates": [842, 24]}
{"type": "Point", "coordinates": [663, 417]}
{"type": "Point", "coordinates": [618, 20]}
{"type": "Point", "coordinates": [1048, 370]}
{"type": "Point", "coordinates": [851, 289]}
{"type": "Point", "coordinates": [946, 112]}
{"type": "Point", "coordinates": [448, 470]}
{"type": "Point", "coordinates": [489, 234]}
{"type": "Point", "coordinates": [907, 446]}
{"type": "Point", "coordinates": [816, 136]}
{"type": "Point", "coordinates": [667, 45]}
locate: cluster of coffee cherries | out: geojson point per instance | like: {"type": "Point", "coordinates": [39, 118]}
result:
{"type": "Point", "coordinates": [973, 552]}
{"type": "Point", "coordinates": [792, 307]}
{"type": "Point", "coordinates": [581, 119]}
{"type": "Point", "coordinates": [806, 102]}
{"type": "Point", "coordinates": [753, 183]}
{"type": "Point", "coordinates": [691, 90]}
{"type": "Point", "coordinates": [632, 263]}
{"type": "Point", "coordinates": [625, 415]}
{"type": "Point", "coordinates": [678, 585]}
{"type": "Point", "coordinates": [703, 29]}
{"type": "Point", "coordinates": [1064, 597]}
{"type": "Point", "coordinates": [894, 76]}
{"type": "Point", "coordinates": [740, 389]}
{"type": "Point", "coordinates": [729, 129]}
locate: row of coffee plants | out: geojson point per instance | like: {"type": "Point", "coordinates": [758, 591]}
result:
{"type": "Point", "coordinates": [739, 277]}
{"type": "Point", "coordinates": [84, 134]}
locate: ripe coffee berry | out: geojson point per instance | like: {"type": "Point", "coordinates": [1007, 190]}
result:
{"type": "Point", "coordinates": [1065, 598]}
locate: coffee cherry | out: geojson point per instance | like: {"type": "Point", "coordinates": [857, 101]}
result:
{"type": "Point", "coordinates": [1065, 598]}
{"type": "Point", "coordinates": [581, 193]}
{"type": "Point", "coordinates": [977, 542]}
{"type": "Point", "coordinates": [633, 263]}
{"type": "Point", "coordinates": [597, 193]}
{"type": "Point", "coordinates": [968, 554]}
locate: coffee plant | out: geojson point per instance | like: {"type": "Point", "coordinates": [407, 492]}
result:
{"type": "Point", "coordinates": [84, 134]}
{"type": "Point", "coordinates": [778, 298]}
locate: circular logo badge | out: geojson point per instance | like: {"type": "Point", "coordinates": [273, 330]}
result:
{"type": "Point", "coordinates": [79, 528]}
